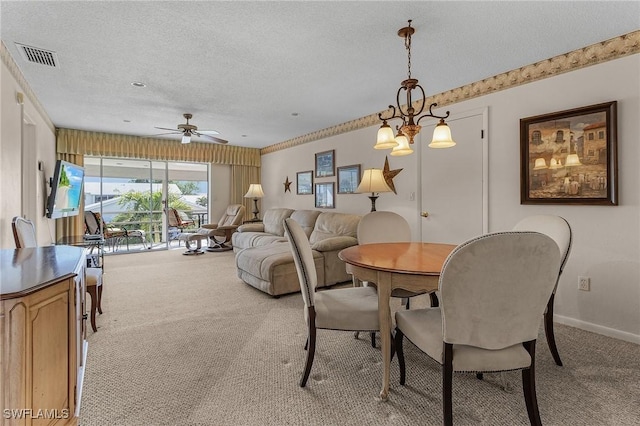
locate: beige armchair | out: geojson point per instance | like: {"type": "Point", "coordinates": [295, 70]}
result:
{"type": "Point", "coordinates": [220, 233]}
{"type": "Point", "coordinates": [493, 292]}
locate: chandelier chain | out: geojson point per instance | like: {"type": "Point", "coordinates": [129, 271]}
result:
{"type": "Point", "coordinates": [407, 45]}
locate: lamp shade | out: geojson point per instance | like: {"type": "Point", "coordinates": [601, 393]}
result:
{"type": "Point", "coordinates": [255, 191]}
{"type": "Point", "coordinates": [386, 139]}
{"type": "Point", "coordinates": [373, 181]}
{"type": "Point", "coordinates": [539, 164]}
{"type": "Point", "coordinates": [572, 160]}
{"type": "Point", "coordinates": [186, 138]}
{"type": "Point", "coordinates": [442, 136]}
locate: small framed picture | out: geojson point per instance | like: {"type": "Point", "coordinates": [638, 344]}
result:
{"type": "Point", "coordinates": [348, 179]}
{"type": "Point", "coordinates": [324, 196]}
{"type": "Point", "coordinates": [325, 164]}
{"type": "Point", "coordinates": [569, 157]}
{"type": "Point", "coordinates": [304, 182]}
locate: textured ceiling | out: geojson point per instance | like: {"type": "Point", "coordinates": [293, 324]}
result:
{"type": "Point", "coordinates": [243, 68]}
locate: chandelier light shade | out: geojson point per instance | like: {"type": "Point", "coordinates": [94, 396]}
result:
{"type": "Point", "coordinates": [186, 137]}
{"type": "Point", "coordinates": [409, 114]}
{"type": "Point", "coordinates": [255, 192]}
{"type": "Point", "coordinates": [373, 181]}
{"type": "Point", "coordinates": [386, 139]}
{"type": "Point", "coordinates": [403, 147]}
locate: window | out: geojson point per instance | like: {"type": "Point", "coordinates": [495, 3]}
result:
{"type": "Point", "coordinates": [601, 134]}
{"type": "Point", "coordinates": [536, 137]}
{"type": "Point", "coordinates": [559, 136]}
{"type": "Point", "coordinates": [591, 136]}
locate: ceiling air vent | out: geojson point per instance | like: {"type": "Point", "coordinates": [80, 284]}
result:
{"type": "Point", "coordinates": [37, 55]}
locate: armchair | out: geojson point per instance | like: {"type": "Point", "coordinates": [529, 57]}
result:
{"type": "Point", "coordinates": [226, 226]}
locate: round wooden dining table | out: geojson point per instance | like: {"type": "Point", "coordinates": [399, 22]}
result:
{"type": "Point", "coordinates": [410, 266]}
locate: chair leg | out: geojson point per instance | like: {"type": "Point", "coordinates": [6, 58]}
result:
{"type": "Point", "coordinates": [100, 299]}
{"type": "Point", "coordinates": [529, 386]}
{"type": "Point", "coordinates": [447, 385]}
{"type": "Point", "coordinates": [94, 302]}
{"type": "Point", "coordinates": [397, 343]}
{"type": "Point", "coordinates": [548, 331]}
{"type": "Point", "coordinates": [373, 339]}
{"type": "Point", "coordinates": [311, 349]}
{"type": "Point", "coordinates": [479, 376]}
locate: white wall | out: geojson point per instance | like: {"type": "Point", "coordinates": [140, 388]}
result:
{"type": "Point", "coordinates": [606, 238]}
{"type": "Point", "coordinates": [11, 165]}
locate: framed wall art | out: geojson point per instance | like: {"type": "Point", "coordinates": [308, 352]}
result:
{"type": "Point", "coordinates": [348, 179]}
{"type": "Point", "coordinates": [570, 157]}
{"type": "Point", "coordinates": [325, 164]}
{"type": "Point", "coordinates": [304, 182]}
{"type": "Point", "coordinates": [325, 195]}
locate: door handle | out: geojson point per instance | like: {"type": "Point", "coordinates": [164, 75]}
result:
{"type": "Point", "coordinates": [424, 214]}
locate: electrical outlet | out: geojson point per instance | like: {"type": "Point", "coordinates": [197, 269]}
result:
{"type": "Point", "coordinates": [584, 283]}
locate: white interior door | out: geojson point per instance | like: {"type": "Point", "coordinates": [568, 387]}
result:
{"type": "Point", "coordinates": [454, 182]}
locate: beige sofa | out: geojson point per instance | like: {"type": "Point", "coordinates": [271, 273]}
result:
{"type": "Point", "coordinates": [263, 255]}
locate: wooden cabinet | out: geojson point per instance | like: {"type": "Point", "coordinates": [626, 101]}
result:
{"type": "Point", "coordinates": [42, 325]}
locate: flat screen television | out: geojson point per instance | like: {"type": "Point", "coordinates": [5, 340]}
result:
{"type": "Point", "coordinates": [66, 190]}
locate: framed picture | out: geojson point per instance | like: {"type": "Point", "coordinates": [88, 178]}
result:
{"type": "Point", "coordinates": [304, 182]}
{"type": "Point", "coordinates": [325, 164]}
{"type": "Point", "coordinates": [570, 157]}
{"type": "Point", "coordinates": [348, 179]}
{"type": "Point", "coordinates": [324, 196]}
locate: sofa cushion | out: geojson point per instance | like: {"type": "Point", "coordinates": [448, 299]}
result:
{"type": "Point", "coordinates": [273, 220]}
{"type": "Point", "coordinates": [243, 240]}
{"type": "Point", "coordinates": [306, 219]}
{"type": "Point", "coordinates": [334, 225]}
{"type": "Point", "coordinates": [271, 268]}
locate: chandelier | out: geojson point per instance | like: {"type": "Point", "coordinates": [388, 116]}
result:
{"type": "Point", "coordinates": [401, 142]}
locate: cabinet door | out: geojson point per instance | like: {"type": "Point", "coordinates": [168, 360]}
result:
{"type": "Point", "coordinates": [52, 371]}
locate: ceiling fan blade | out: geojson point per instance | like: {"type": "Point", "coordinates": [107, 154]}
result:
{"type": "Point", "coordinates": [209, 132]}
{"type": "Point", "coordinates": [162, 134]}
{"type": "Point", "coordinates": [213, 138]}
{"type": "Point", "coordinates": [173, 130]}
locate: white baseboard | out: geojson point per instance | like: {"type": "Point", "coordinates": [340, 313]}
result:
{"type": "Point", "coordinates": [595, 328]}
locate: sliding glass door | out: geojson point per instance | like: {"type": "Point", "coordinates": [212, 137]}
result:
{"type": "Point", "coordinates": [134, 195]}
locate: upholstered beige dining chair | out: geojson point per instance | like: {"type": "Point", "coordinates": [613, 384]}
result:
{"type": "Point", "coordinates": [347, 309]}
{"type": "Point", "coordinates": [559, 229]}
{"type": "Point", "coordinates": [493, 291]}
{"type": "Point", "coordinates": [24, 232]}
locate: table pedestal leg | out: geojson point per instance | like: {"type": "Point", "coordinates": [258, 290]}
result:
{"type": "Point", "coordinates": [384, 311]}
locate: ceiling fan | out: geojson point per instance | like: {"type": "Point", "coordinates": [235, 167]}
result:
{"type": "Point", "coordinates": [187, 130]}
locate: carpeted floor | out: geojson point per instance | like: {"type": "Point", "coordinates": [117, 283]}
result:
{"type": "Point", "coordinates": [183, 341]}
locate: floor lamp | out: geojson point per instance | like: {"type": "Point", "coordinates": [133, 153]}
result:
{"type": "Point", "coordinates": [255, 192]}
{"type": "Point", "coordinates": [373, 182]}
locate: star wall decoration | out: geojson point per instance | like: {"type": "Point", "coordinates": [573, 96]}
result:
{"type": "Point", "coordinates": [287, 185]}
{"type": "Point", "coordinates": [389, 175]}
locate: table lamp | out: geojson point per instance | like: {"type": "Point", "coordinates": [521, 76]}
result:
{"type": "Point", "coordinates": [373, 182]}
{"type": "Point", "coordinates": [255, 192]}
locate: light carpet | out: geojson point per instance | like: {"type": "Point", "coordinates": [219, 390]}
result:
{"type": "Point", "coordinates": [183, 341]}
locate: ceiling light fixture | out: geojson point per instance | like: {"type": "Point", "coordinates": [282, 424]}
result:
{"type": "Point", "coordinates": [138, 84]}
{"type": "Point", "coordinates": [186, 136]}
{"type": "Point", "coordinates": [401, 142]}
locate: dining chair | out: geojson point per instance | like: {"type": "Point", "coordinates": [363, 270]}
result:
{"type": "Point", "coordinates": [24, 232]}
{"type": "Point", "coordinates": [347, 309]}
{"type": "Point", "coordinates": [493, 291]}
{"type": "Point", "coordinates": [388, 227]}
{"type": "Point", "coordinates": [559, 229]}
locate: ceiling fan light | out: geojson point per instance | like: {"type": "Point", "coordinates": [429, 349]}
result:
{"type": "Point", "coordinates": [442, 136]}
{"type": "Point", "coordinates": [186, 138]}
{"type": "Point", "coordinates": [386, 138]}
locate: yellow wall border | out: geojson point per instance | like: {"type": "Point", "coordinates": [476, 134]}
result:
{"type": "Point", "coordinates": [618, 47]}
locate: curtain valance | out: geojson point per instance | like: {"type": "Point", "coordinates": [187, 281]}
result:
{"type": "Point", "coordinates": [80, 142]}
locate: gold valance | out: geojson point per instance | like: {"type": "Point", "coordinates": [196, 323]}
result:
{"type": "Point", "coordinates": [71, 141]}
